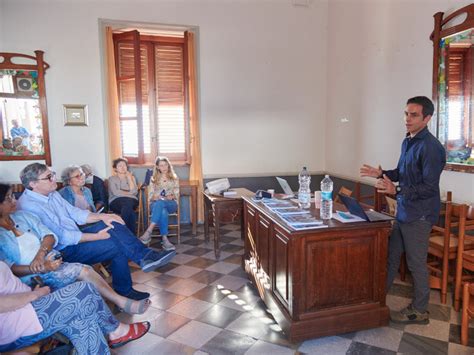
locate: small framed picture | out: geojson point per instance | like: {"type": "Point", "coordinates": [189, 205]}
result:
{"type": "Point", "coordinates": [75, 115]}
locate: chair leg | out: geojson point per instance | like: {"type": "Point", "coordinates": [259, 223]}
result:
{"type": "Point", "coordinates": [457, 292]}
{"type": "Point", "coordinates": [179, 228]}
{"type": "Point", "coordinates": [465, 316]}
{"type": "Point", "coordinates": [444, 280]}
{"type": "Point", "coordinates": [101, 269]}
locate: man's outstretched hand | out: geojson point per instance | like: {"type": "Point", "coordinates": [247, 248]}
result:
{"type": "Point", "coordinates": [367, 170]}
{"type": "Point", "coordinates": [385, 185]}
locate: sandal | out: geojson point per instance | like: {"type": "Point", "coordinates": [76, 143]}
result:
{"type": "Point", "coordinates": [135, 331]}
{"type": "Point", "coordinates": [142, 307]}
{"type": "Point", "coordinates": [146, 238]}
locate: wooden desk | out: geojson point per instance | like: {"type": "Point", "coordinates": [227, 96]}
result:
{"type": "Point", "coordinates": [190, 188]}
{"type": "Point", "coordinates": [317, 282]}
{"type": "Point", "coordinates": [223, 210]}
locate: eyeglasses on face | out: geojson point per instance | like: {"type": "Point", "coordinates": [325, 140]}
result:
{"type": "Point", "coordinates": [78, 176]}
{"type": "Point", "coordinates": [50, 177]}
{"type": "Point", "coordinates": [10, 198]}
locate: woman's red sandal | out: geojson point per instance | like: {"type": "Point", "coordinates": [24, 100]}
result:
{"type": "Point", "coordinates": [135, 331]}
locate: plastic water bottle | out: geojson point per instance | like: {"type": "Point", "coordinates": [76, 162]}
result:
{"type": "Point", "coordinates": [304, 192]}
{"type": "Point", "coordinates": [326, 197]}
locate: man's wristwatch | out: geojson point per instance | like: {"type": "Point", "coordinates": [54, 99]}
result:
{"type": "Point", "coordinates": [398, 189]}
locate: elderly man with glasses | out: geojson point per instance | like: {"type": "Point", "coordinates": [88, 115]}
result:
{"type": "Point", "coordinates": [102, 237]}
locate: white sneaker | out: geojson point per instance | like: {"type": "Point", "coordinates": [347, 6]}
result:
{"type": "Point", "coordinates": [167, 245]}
{"type": "Point", "coordinates": [146, 238]}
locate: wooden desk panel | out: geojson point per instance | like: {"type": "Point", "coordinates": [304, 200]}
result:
{"type": "Point", "coordinates": [317, 282]}
{"type": "Point", "coordinates": [223, 210]}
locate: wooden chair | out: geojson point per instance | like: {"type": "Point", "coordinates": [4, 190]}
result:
{"type": "Point", "coordinates": [465, 252]}
{"type": "Point", "coordinates": [343, 191]}
{"type": "Point", "coordinates": [174, 226]}
{"type": "Point", "coordinates": [467, 311]}
{"type": "Point", "coordinates": [391, 205]}
{"type": "Point", "coordinates": [369, 199]}
{"type": "Point", "coordinates": [443, 248]}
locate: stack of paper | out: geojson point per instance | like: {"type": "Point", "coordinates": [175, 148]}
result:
{"type": "Point", "coordinates": [297, 218]}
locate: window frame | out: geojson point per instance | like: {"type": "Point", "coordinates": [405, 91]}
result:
{"type": "Point", "coordinates": [150, 41]}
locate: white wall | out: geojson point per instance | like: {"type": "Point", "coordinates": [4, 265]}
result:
{"type": "Point", "coordinates": [262, 77]}
{"type": "Point", "coordinates": [1, 26]}
{"type": "Point", "coordinates": [379, 55]}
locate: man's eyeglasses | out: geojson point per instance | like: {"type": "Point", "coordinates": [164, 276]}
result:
{"type": "Point", "coordinates": [50, 177]}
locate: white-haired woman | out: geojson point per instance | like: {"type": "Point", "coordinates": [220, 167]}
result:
{"type": "Point", "coordinates": [74, 190]}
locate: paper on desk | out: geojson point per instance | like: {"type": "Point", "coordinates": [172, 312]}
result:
{"type": "Point", "coordinates": [308, 226]}
{"type": "Point", "coordinates": [346, 217]}
{"type": "Point", "coordinates": [295, 200]}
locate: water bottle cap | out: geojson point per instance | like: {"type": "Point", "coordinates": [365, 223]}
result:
{"type": "Point", "coordinates": [326, 176]}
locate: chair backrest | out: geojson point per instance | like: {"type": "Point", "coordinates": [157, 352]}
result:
{"type": "Point", "coordinates": [148, 175]}
{"type": "Point", "coordinates": [343, 191]}
{"type": "Point", "coordinates": [463, 226]}
{"type": "Point", "coordinates": [392, 205]}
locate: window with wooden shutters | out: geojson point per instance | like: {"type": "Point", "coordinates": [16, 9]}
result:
{"type": "Point", "coordinates": [162, 126]}
{"type": "Point", "coordinates": [458, 79]}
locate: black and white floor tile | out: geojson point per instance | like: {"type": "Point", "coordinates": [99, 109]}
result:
{"type": "Point", "coordinates": [201, 305]}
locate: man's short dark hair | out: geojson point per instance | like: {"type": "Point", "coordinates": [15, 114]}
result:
{"type": "Point", "coordinates": [426, 103]}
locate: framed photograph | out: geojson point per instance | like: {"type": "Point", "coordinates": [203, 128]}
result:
{"type": "Point", "coordinates": [75, 115]}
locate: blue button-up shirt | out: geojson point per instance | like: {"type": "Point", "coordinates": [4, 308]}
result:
{"type": "Point", "coordinates": [69, 195]}
{"type": "Point", "coordinates": [19, 131]}
{"type": "Point", "coordinates": [56, 214]}
{"type": "Point", "coordinates": [418, 172]}
{"type": "Point", "coordinates": [24, 222]}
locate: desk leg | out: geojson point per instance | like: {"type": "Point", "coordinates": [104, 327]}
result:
{"type": "Point", "coordinates": [242, 225]}
{"type": "Point", "coordinates": [206, 221]}
{"type": "Point", "coordinates": [217, 217]}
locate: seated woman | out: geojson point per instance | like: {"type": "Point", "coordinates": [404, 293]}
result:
{"type": "Point", "coordinates": [163, 194]}
{"type": "Point", "coordinates": [74, 190]}
{"type": "Point", "coordinates": [19, 147]}
{"type": "Point", "coordinates": [97, 186]}
{"type": "Point", "coordinates": [123, 193]}
{"type": "Point", "coordinates": [26, 244]}
{"type": "Point", "coordinates": [77, 311]}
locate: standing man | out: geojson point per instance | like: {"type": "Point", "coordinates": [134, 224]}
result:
{"type": "Point", "coordinates": [421, 162]}
{"type": "Point", "coordinates": [18, 131]}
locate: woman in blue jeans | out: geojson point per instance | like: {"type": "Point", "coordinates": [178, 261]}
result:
{"type": "Point", "coordinates": [163, 194]}
{"type": "Point", "coordinates": [77, 311]}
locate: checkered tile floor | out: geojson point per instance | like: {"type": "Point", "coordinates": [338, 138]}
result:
{"type": "Point", "coordinates": [204, 306]}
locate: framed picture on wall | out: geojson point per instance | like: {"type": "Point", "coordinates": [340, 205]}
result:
{"type": "Point", "coordinates": [75, 115]}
